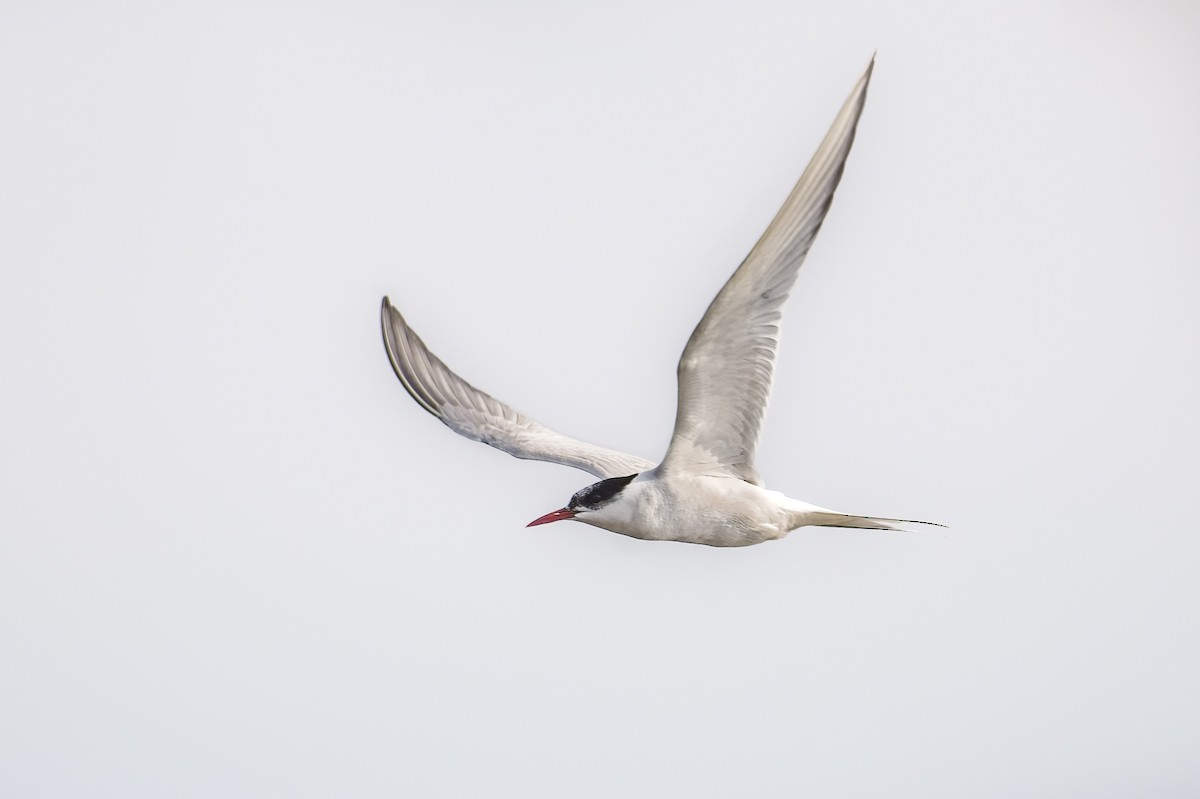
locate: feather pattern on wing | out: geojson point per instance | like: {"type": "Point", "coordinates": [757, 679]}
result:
{"type": "Point", "coordinates": [480, 417]}
{"type": "Point", "coordinates": [727, 367]}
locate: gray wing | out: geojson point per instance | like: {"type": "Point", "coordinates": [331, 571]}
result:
{"type": "Point", "coordinates": [727, 367]}
{"type": "Point", "coordinates": [480, 417]}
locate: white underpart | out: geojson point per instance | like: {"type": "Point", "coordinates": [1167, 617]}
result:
{"type": "Point", "coordinates": [732, 513]}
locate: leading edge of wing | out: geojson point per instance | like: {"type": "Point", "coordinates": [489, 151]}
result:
{"type": "Point", "coordinates": [727, 368]}
{"type": "Point", "coordinates": [479, 416]}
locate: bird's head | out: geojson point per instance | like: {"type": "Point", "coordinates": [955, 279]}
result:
{"type": "Point", "coordinates": [587, 501]}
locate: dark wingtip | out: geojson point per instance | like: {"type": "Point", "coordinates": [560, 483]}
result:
{"type": "Point", "coordinates": [385, 311]}
{"type": "Point", "coordinates": [399, 345]}
{"type": "Point", "coordinates": [930, 524]}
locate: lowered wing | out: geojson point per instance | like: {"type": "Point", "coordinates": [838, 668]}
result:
{"type": "Point", "coordinates": [480, 417]}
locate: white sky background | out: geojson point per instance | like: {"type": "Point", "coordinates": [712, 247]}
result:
{"type": "Point", "coordinates": [237, 560]}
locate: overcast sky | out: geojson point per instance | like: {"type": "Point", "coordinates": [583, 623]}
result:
{"type": "Point", "coordinates": [238, 561]}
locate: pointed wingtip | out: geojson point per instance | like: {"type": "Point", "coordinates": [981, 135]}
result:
{"type": "Point", "coordinates": [386, 312]}
{"type": "Point", "coordinates": [409, 358]}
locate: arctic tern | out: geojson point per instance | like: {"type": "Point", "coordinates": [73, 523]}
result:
{"type": "Point", "coordinates": [706, 489]}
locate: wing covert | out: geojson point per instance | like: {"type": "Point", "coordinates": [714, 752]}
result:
{"type": "Point", "coordinates": [727, 367]}
{"type": "Point", "coordinates": [481, 417]}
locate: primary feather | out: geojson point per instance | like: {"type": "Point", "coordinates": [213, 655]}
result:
{"type": "Point", "coordinates": [728, 365]}
{"type": "Point", "coordinates": [481, 417]}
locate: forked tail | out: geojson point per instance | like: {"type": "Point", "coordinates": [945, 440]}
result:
{"type": "Point", "coordinates": [820, 517]}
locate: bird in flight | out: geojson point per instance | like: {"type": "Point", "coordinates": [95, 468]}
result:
{"type": "Point", "coordinates": [706, 489]}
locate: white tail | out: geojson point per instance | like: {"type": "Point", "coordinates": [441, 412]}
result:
{"type": "Point", "coordinates": [811, 515]}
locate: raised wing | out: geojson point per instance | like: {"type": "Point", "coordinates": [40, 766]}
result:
{"type": "Point", "coordinates": [727, 367]}
{"type": "Point", "coordinates": [480, 417]}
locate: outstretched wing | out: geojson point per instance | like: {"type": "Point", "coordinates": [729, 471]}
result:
{"type": "Point", "coordinates": [727, 367]}
{"type": "Point", "coordinates": [480, 417]}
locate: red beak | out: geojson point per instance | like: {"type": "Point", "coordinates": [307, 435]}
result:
{"type": "Point", "coordinates": [553, 516]}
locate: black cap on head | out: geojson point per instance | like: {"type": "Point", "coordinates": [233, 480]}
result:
{"type": "Point", "coordinates": [599, 494]}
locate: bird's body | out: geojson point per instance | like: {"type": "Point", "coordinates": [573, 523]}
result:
{"type": "Point", "coordinates": [703, 509]}
{"type": "Point", "coordinates": [706, 490]}
{"type": "Point", "coordinates": [731, 512]}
